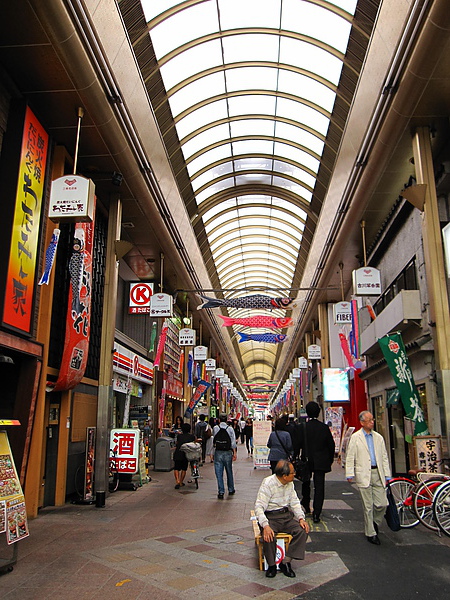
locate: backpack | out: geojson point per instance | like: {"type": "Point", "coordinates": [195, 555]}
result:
{"type": "Point", "coordinates": [222, 440]}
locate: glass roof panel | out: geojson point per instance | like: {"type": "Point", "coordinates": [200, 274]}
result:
{"type": "Point", "coordinates": [204, 139]}
{"type": "Point", "coordinates": [235, 13]}
{"type": "Point", "coordinates": [250, 47]}
{"type": "Point", "coordinates": [260, 104]}
{"type": "Point", "coordinates": [214, 189]}
{"type": "Point", "coordinates": [202, 116]}
{"type": "Point", "coordinates": [206, 87]}
{"type": "Point", "coordinates": [208, 157]}
{"type": "Point", "coordinates": [247, 127]}
{"type": "Point", "coordinates": [303, 114]}
{"type": "Point", "coordinates": [248, 178]}
{"type": "Point", "coordinates": [222, 169]}
{"type": "Point", "coordinates": [296, 155]}
{"type": "Point", "coordinates": [298, 135]}
{"type": "Point", "coordinates": [252, 147]}
{"type": "Point", "coordinates": [251, 78]}
{"type": "Point", "coordinates": [311, 58]}
{"type": "Point", "coordinates": [309, 89]}
{"type": "Point", "coordinates": [299, 174]}
{"type": "Point", "coordinates": [190, 62]}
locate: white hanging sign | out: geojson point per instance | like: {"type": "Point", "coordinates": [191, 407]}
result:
{"type": "Point", "coordinates": [296, 373]}
{"type": "Point", "coordinates": [220, 373]}
{"type": "Point", "coordinates": [72, 198]}
{"type": "Point", "coordinates": [161, 305]}
{"type": "Point", "coordinates": [366, 281]}
{"type": "Point", "coordinates": [210, 364]}
{"type": "Point", "coordinates": [314, 352]}
{"type": "Point", "coordinates": [342, 312]}
{"type": "Point", "coordinates": [302, 362]}
{"type": "Point", "coordinates": [186, 337]}
{"type": "Point", "coordinates": [200, 353]}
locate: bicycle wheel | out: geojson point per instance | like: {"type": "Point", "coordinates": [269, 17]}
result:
{"type": "Point", "coordinates": [441, 507]}
{"type": "Point", "coordinates": [402, 488]}
{"type": "Point", "coordinates": [423, 495]}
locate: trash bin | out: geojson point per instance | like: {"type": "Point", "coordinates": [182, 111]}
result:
{"type": "Point", "coordinates": [164, 449]}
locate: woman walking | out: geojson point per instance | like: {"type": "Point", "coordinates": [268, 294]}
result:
{"type": "Point", "coordinates": [248, 433]}
{"type": "Point", "coordinates": [280, 444]}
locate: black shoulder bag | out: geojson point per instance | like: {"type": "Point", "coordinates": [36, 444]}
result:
{"type": "Point", "coordinates": [301, 466]}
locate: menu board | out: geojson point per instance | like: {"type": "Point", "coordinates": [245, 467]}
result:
{"type": "Point", "coordinates": [13, 514]}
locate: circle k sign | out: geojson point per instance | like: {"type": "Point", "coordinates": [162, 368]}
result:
{"type": "Point", "coordinates": [140, 294]}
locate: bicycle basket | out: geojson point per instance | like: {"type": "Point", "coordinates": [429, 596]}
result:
{"type": "Point", "coordinates": [192, 450]}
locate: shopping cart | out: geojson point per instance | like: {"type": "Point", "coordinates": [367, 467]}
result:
{"type": "Point", "coordinates": [193, 452]}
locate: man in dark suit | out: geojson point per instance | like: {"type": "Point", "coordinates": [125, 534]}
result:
{"type": "Point", "coordinates": [319, 450]}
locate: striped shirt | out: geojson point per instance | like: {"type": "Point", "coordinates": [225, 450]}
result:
{"type": "Point", "coordinates": [272, 495]}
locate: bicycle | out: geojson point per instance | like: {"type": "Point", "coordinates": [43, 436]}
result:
{"type": "Point", "coordinates": [424, 496]}
{"type": "Point", "coordinates": [193, 453]}
{"type": "Point", "coordinates": [402, 489]}
{"type": "Point", "coordinates": [441, 507]}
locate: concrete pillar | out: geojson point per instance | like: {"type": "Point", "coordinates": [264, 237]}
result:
{"type": "Point", "coordinates": [434, 266]}
{"type": "Point", "coordinates": [107, 348]}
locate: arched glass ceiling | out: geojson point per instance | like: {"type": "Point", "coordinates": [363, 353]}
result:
{"type": "Point", "coordinates": [251, 87]}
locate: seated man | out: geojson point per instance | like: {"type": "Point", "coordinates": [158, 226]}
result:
{"type": "Point", "coordinates": [278, 510]}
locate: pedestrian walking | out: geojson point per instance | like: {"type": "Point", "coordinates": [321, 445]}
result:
{"type": "Point", "coordinates": [367, 464]}
{"type": "Point", "coordinates": [248, 433]}
{"type": "Point", "coordinates": [318, 449]}
{"type": "Point", "coordinates": [200, 433]}
{"type": "Point", "coordinates": [279, 443]}
{"type": "Point", "coordinates": [225, 452]}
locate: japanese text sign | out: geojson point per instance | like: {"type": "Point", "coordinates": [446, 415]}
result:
{"type": "Point", "coordinates": [124, 445]}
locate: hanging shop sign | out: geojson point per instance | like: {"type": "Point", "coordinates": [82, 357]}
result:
{"type": "Point", "coordinates": [139, 299]}
{"type": "Point", "coordinates": [314, 352]}
{"type": "Point", "coordinates": [302, 362]}
{"type": "Point", "coordinates": [186, 337]}
{"type": "Point", "coordinates": [78, 320]}
{"type": "Point", "coordinates": [200, 353]}
{"type": "Point", "coordinates": [428, 451]}
{"type": "Point", "coordinates": [220, 373]}
{"type": "Point", "coordinates": [174, 386]}
{"type": "Point", "coordinates": [126, 362]}
{"type": "Point", "coordinates": [124, 450]}
{"type": "Point", "coordinates": [366, 281]}
{"type": "Point", "coordinates": [342, 312]}
{"type": "Point", "coordinates": [72, 198]}
{"type": "Point", "coordinates": [296, 373]}
{"type": "Point", "coordinates": [161, 305]}
{"type": "Point", "coordinates": [210, 364]}
{"type": "Point", "coordinates": [397, 361]}
{"type": "Point", "coordinates": [24, 180]}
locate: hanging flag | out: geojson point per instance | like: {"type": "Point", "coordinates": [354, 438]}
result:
{"type": "Point", "coordinates": [201, 388]}
{"type": "Point", "coordinates": [190, 368]}
{"type": "Point", "coordinates": [394, 352]}
{"type": "Point", "coordinates": [161, 344]}
{"type": "Point", "coordinates": [181, 362]}
{"type": "Point", "coordinates": [346, 350]}
{"type": "Point", "coordinates": [355, 330]}
{"type": "Point", "coordinates": [151, 347]}
{"type": "Point", "coordinates": [78, 319]}
{"type": "Point", "coordinates": [256, 301]}
{"type": "Point", "coordinates": [50, 257]}
{"type": "Point", "coordinates": [268, 338]}
{"type": "Point", "coordinates": [258, 321]}
{"type": "Point", "coordinates": [369, 307]}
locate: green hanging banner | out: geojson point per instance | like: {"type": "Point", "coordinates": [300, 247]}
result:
{"type": "Point", "coordinates": [394, 352]}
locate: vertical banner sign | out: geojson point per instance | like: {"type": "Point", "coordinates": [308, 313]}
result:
{"type": "Point", "coordinates": [161, 344]}
{"type": "Point", "coordinates": [88, 488]}
{"type": "Point", "coordinates": [20, 281]}
{"type": "Point", "coordinates": [202, 386]}
{"type": "Point", "coordinates": [394, 352]}
{"type": "Point", "coordinates": [78, 320]}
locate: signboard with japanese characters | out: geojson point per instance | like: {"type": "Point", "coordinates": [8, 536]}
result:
{"type": "Point", "coordinates": [200, 353]}
{"type": "Point", "coordinates": [186, 337]}
{"type": "Point", "coordinates": [72, 198]}
{"type": "Point", "coordinates": [161, 305]}
{"type": "Point", "coordinates": [124, 450]}
{"type": "Point", "coordinates": [210, 364]}
{"type": "Point", "coordinates": [428, 453]}
{"type": "Point", "coordinates": [314, 352]}
{"type": "Point", "coordinates": [342, 312]}
{"type": "Point", "coordinates": [140, 296]}
{"type": "Point", "coordinates": [366, 281]}
{"type": "Point", "coordinates": [302, 362]}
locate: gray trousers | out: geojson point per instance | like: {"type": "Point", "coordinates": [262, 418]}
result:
{"type": "Point", "coordinates": [286, 523]}
{"type": "Point", "coordinates": [374, 501]}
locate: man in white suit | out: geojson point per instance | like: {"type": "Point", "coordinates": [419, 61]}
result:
{"type": "Point", "coordinates": [367, 465]}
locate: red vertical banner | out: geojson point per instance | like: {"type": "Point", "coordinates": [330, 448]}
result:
{"type": "Point", "coordinates": [78, 320]}
{"type": "Point", "coordinates": [23, 260]}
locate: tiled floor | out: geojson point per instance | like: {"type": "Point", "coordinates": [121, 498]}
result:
{"type": "Point", "coordinates": [162, 543]}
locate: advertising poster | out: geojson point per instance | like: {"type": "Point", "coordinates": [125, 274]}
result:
{"type": "Point", "coordinates": [333, 418]}
{"type": "Point", "coordinates": [261, 432]}
{"type": "Point", "coordinates": [14, 514]}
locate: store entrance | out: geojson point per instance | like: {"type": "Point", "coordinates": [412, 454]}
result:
{"type": "Point", "coordinates": [398, 445]}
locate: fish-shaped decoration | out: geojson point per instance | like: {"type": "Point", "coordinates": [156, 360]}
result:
{"type": "Point", "coordinates": [50, 257]}
{"type": "Point", "coordinates": [258, 321]}
{"type": "Point", "coordinates": [76, 270]}
{"type": "Point", "coordinates": [269, 338]}
{"type": "Point", "coordinates": [256, 301]}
